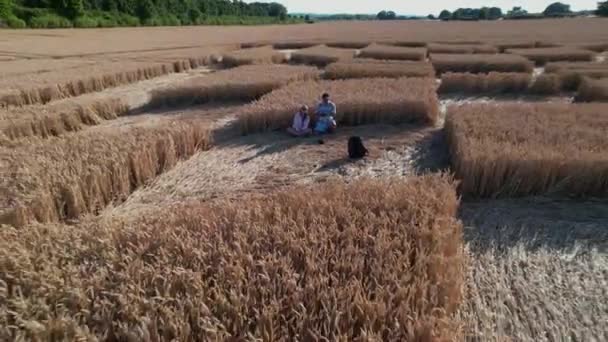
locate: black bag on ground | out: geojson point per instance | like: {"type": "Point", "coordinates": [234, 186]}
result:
{"type": "Point", "coordinates": [356, 150]}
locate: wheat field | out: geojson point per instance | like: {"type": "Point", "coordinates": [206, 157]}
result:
{"type": "Point", "coordinates": [373, 101]}
{"type": "Point", "coordinates": [149, 190]}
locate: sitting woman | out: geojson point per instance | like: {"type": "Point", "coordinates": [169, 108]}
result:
{"type": "Point", "coordinates": [301, 121]}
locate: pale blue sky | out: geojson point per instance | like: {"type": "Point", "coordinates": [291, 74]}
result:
{"type": "Point", "coordinates": [418, 7]}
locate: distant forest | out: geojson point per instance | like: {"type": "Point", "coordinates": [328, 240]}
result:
{"type": "Point", "coordinates": [110, 13]}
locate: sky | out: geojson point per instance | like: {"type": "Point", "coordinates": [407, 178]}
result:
{"type": "Point", "coordinates": [418, 7]}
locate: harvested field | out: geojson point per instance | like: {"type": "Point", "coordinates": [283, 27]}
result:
{"type": "Point", "coordinates": [62, 178]}
{"type": "Point", "coordinates": [492, 83]}
{"type": "Point", "coordinates": [542, 56]}
{"type": "Point", "coordinates": [226, 254]}
{"type": "Point", "coordinates": [378, 51]}
{"type": "Point", "coordinates": [480, 63]}
{"type": "Point", "coordinates": [374, 100]}
{"type": "Point", "coordinates": [258, 55]}
{"type": "Point", "coordinates": [593, 90]}
{"type": "Point", "coordinates": [244, 83]}
{"type": "Point", "coordinates": [461, 49]}
{"type": "Point", "coordinates": [501, 150]}
{"type": "Point", "coordinates": [322, 55]}
{"type": "Point", "coordinates": [362, 68]}
{"type": "Point", "coordinates": [56, 119]}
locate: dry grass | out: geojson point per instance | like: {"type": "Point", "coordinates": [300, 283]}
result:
{"type": "Point", "coordinates": [244, 83]}
{"type": "Point", "coordinates": [322, 55]}
{"type": "Point", "coordinates": [461, 48]}
{"type": "Point", "coordinates": [377, 100]}
{"type": "Point", "coordinates": [593, 90]}
{"type": "Point", "coordinates": [373, 260]}
{"type": "Point", "coordinates": [56, 119]}
{"type": "Point", "coordinates": [492, 83]}
{"type": "Point", "coordinates": [377, 51]}
{"type": "Point", "coordinates": [349, 44]}
{"type": "Point", "coordinates": [542, 56]}
{"type": "Point", "coordinates": [480, 63]}
{"type": "Point", "coordinates": [258, 55]}
{"type": "Point", "coordinates": [529, 149]}
{"type": "Point", "coordinates": [64, 177]}
{"type": "Point", "coordinates": [362, 68]}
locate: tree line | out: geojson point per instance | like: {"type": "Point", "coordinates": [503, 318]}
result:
{"type": "Point", "coordinates": [107, 13]}
{"type": "Point", "coordinates": [556, 9]}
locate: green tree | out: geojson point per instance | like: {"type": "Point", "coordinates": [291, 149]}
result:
{"type": "Point", "coordinates": [557, 9]}
{"type": "Point", "coordinates": [602, 9]}
{"type": "Point", "coordinates": [6, 8]}
{"type": "Point", "coordinates": [145, 10]}
{"type": "Point", "coordinates": [517, 12]}
{"type": "Point", "coordinates": [445, 15]}
{"type": "Point", "coordinates": [495, 13]}
{"type": "Point", "coordinates": [73, 8]}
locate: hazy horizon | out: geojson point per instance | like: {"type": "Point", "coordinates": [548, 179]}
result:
{"type": "Point", "coordinates": [419, 8]}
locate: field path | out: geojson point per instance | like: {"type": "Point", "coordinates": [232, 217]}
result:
{"type": "Point", "coordinates": [538, 270]}
{"type": "Point", "coordinates": [264, 162]}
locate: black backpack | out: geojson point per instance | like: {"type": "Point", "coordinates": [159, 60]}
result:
{"type": "Point", "coordinates": [356, 150]}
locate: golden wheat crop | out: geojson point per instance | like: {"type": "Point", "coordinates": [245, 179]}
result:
{"type": "Point", "coordinates": [55, 119]}
{"type": "Point", "coordinates": [405, 43]}
{"type": "Point", "coordinates": [492, 83]}
{"type": "Point", "coordinates": [243, 83]}
{"type": "Point", "coordinates": [598, 47]}
{"type": "Point", "coordinates": [348, 44]}
{"type": "Point", "coordinates": [479, 63]}
{"type": "Point", "coordinates": [359, 101]}
{"type": "Point", "coordinates": [571, 74]}
{"type": "Point", "coordinates": [559, 66]}
{"type": "Point", "coordinates": [461, 48]}
{"type": "Point", "coordinates": [256, 55]}
{"type": "Point", "coordinates": [44, 87]}
{"type": "Point", "coordinates": [372, 260]}
{"type": "Point", "coordinates": [506, 149]}
{"type": "Point", "coordinates": [64, 177]}
{"type": "Point", "coordinates": [546, 84]}
{"type": "Point", "coordinates": [364, 68]}
{"type": "Point", "coordinates": [542, 56]}
{"type": "Point", "coordinates": [591, 90]}
{"type": "Point", "coordinates": [378, 51]}
{"type": "Point", "coordinates": [322, 55]}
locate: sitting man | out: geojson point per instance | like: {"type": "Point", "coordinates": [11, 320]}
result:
{"type": "Point", "coordinates": [326, 112]}
{"type": "Point", "coordinates": [301, 120]}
